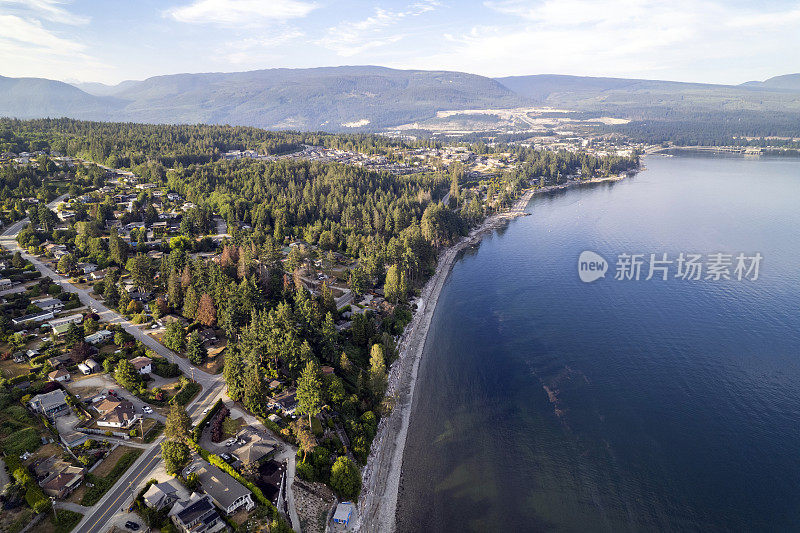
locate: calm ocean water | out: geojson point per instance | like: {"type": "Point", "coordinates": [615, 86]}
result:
{"type": "Point", "coordinates": [547, 404]}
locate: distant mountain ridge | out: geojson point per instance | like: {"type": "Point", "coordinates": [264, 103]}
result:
{"type": "Point", "coordinates": [329, 98]}
{"type": "Point", "coordinates": [372, 98]}
{"type": "Point", "coordinates": [790, 82]}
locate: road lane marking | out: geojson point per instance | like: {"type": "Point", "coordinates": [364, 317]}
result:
{"type": "Point", "coordinates": [114, 503]}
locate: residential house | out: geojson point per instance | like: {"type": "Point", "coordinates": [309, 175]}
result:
{"type": "Point", "coordinates": [99, 337]}
{"type": "Point", "coordinates": [34, 318]}
{"type": "Point", "coordinates": [87, 268]}
{"type": "Point", "coordinates": [50, 403]}
{"type": "Point", "coordinates": [73, 438]}
{"type": "Point", "coordinates": [49, 304]}
{"type": "Point", "coordinates": [227, 493]}
{"type": "Point", "coordinates": [5, 283]}
{"type": "Point", "coordinates": [57, 361]}
{"type": "Point", "coordinates": [61, 325]}
{"type": "Point", "coordinates": [160, 495]}
{"type": "Point", "coordinates": [63, 480]}
{"type": "Point", "coordinates": [142, 364]}
{"type": "Point", "coordinates": [197, 515]}
{"type": "Point", "coordinates": [59, 375]}
{"type": "Point", "coordinates": [98, 274]}
{"type": "Point", "coordinates": [286, 401]}
{"type": "Point", "coordinates": [257, 451]}
{"type": "Point", "coordinates": [116, 414]}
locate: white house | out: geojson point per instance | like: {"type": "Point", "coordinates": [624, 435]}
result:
{"type": "Point", "coordinates": [143, 365]}
{"type": "Point", "coordinates": [99, 336]}
{"type": "Point", "coordinates": [60, 375]}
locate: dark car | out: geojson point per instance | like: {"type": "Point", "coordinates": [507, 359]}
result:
{"type": "Point", "coordinates": [133, 526]}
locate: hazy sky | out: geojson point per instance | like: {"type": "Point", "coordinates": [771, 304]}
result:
{"type": "Point", "coordinates": [718, 41]}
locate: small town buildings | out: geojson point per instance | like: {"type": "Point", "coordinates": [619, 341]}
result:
{"type": "Point", "coordinates": [50, 403]}
{"type": "Point", "coordinates": [197, 515]}
{"type": "Point", "coordinates": [59, 375]}
{"type": "Point", "coordinates": [227, 493]}
{"type": "Point", "coordinates": [143, 365]}
{"type": "Point", "coordinates": [99, 337]}
{"type": "Point", "coordinates": [343, 513]}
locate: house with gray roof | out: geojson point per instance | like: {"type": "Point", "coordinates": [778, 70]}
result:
{"type": "Point", "coordinates": [227, 493]}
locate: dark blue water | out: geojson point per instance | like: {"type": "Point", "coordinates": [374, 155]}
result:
{"type": "Point", "coordinates": [548, 404]}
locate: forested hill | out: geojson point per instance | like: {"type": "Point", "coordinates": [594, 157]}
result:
{"type": "Point", "coordinates": [331, 99]}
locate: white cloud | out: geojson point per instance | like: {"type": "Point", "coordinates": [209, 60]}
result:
{"type": "Point", "coordinates": [241, 12]}
{"type": "Point", "coordinates": [354, 37]}
{"type": "Point", "coordinates": [675, 39]}
{"type": "Point", "coordinates": [29, 46]}
{"type": "Point", "coordinates": [44, 9]}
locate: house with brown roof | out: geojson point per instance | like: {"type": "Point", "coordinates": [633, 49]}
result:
{"type": "Point", "coordinates": [60, 375]}
{"type": "Point", "coordinates": [142, 364]}
{"type": "Point", "coordinates": [60, 484]}
{"type": "Point", "coordinates": [116, 414]}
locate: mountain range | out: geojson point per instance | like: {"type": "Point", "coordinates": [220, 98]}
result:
{"type": "Point", "coordinates": [369, 98]}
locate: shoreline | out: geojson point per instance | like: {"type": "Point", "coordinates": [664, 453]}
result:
{"type": "Point", "coordinates": [381, 476]}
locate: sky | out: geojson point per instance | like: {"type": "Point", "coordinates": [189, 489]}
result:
{"type": "Point", "coordinates": [108, 41]}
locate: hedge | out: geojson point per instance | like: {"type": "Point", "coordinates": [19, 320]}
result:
{"type": "Point", "coordinates": [201, 425]}
{"type": "Point", "coordinates": [186, 394]}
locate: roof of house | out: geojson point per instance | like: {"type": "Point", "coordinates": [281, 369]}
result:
{"type": "Point", "coordinates": [343, 511]}
{"type": "Point", "coordinates": [140, 362]}
{"type": "Point", "coordinates": [222, 488]}
{"type": "Point", "coordinates": [189, 512]}
{"type": "Point", "coordinates": [55, 374]}
{"type": "Point", "coordinates": [123, 413]}
{"type": "Point", "coordinates": [57, 482]}
{"type": "Point", "coordinates": [48, 302]}
{"type": "Point", "coordinates": [255, 452]}
{"type": "Point", "coordinates": [51, 399]}
{"type": "Point", "coordinates": [158, 491]}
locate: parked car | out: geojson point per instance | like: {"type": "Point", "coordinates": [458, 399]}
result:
{"type": "Point", "coordinates": [133, 526]}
